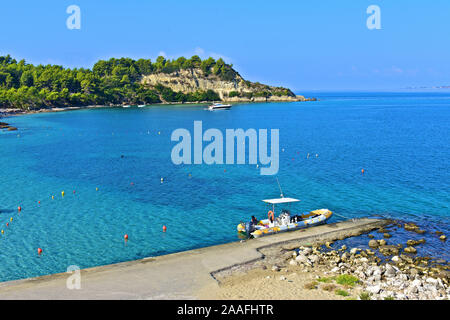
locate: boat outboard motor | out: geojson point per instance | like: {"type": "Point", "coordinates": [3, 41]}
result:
{"type": "Point", "coordinates": [250, 227]}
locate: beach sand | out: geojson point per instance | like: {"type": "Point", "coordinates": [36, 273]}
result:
{"type": "Point", "coordinates": [262, 284]}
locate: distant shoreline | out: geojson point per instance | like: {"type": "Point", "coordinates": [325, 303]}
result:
{"type": "Point", "coordinates": [8, 112]}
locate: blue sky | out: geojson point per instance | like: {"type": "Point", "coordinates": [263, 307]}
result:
{"type": "Point", "coordinates": [301, 44]}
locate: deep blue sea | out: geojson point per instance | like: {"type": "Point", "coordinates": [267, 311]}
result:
{"type": "Point", "coordinates": [401, 140]}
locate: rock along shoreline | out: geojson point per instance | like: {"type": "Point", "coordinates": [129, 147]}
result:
{"type": "Point", "coordinates": [320, 270]}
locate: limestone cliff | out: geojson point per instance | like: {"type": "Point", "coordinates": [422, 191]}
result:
{"type": "Point", "coordinates": [233, 89]}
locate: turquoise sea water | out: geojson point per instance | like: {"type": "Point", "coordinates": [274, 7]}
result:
{"type": "Point", "coordinates": [400, 139]}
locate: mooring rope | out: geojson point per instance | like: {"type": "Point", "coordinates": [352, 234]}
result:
{"type": "Point", "coordinates": [348, 218]}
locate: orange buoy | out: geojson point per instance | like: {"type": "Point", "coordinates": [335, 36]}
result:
{"type": "Point", "coordinates": [362, 171]}
{"type": "Point", "coordinates": [39, 251]}
{"type": "Point", "coordinates": [164, 228]}
{"type": "Point", "coordinates": [125, 237]}
{"type": "Point", "coordinates": [39, 202]}
{"type": "Point", "coordinates": [19, 208]}
{"type": "Point", "coordinates": [7, 224]}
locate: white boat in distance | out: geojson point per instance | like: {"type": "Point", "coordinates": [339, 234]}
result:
{"type": "Point", "coordinates": [219, 106]}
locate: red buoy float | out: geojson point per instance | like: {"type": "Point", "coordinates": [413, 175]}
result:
{"type": "Point", "coordinates": [125, 237]}
{"type": "Point", "coordinates": [19, 208]}
{"type": "Point", "coordinates": [362, 171]}
{"type": "Point", "coordinates": [39, 251]}
{"type": "Point", "coordinates": [164, 228]}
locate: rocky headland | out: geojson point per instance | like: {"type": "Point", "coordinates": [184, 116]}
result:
{"type": "Point", "coordinates": [231, 89]}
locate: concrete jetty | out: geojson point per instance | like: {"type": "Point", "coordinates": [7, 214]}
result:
{"type": "Point", "coordinates": [174, 276]}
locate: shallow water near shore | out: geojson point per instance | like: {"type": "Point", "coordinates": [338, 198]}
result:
{"type": "Point", "coordinates": [401, 140]}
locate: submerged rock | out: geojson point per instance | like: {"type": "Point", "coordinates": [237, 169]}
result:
{"type": "Point", "coordinates": [389, 250]}
{"type": "Point", "coordinates": [410, 250]}
{"type": "Point", "coordinates": [411, 243]}
{"type": "Point", "coordinates": [373, 244]}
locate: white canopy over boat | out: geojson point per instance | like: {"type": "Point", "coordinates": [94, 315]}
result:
{"type": "Point", "coordinates": [280, 200]}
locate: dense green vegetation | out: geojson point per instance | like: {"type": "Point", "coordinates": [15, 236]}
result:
{"type": "Point", "coordinates": [111, 82]}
